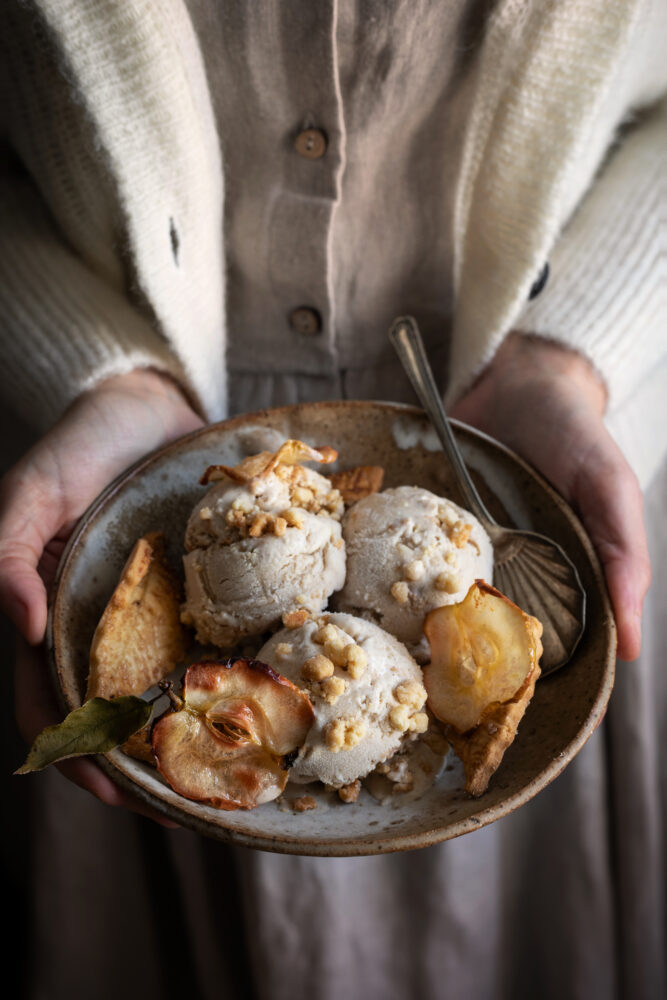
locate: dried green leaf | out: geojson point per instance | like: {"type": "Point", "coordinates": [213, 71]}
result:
{"type": "Point", "coordinates": [98, 726]}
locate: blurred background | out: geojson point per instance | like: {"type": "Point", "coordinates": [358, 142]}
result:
{"type": "Point", "coordinates": [16, 840]}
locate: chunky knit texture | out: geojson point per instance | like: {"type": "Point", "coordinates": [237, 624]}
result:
{"type": "Point", "coordinates": [112, 252]}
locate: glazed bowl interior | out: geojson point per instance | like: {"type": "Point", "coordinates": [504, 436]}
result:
{"type": "Point", "coordinates": [158, 494]}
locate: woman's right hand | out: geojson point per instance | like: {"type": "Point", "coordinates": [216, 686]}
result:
{"type": "Point", "coordinates": [42, 497]}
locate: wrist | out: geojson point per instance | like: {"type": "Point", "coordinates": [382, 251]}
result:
{"type": "Point", "coordinates": [526, 356]}
{"type": "Point", "coordinates": [145, 381]}
{"type": "Point", "coordinates": [159, 391]}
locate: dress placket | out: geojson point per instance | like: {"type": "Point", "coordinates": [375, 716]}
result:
{"type": "Point", "coordinates": [279, 212]}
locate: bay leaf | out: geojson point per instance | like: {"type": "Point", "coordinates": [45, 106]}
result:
{"type": "Point", "coordinates": [98, 726]}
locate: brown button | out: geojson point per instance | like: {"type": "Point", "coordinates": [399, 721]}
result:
{"type": "Point", "coordinates": [312, 143]}
{"type": "Point", "coordinates": [305, 320]}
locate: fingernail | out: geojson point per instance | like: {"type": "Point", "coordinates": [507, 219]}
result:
{"type": "Point", "coordinates": [632, 629]}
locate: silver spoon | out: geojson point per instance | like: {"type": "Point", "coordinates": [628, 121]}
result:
{"type": "Point", "coordinates": [529, 568]}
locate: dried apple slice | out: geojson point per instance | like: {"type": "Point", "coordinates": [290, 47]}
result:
{"type": "Point", "coordinates": [291, 452]}
{"type": "Point", "coordinates": [227, 741]}
{"type": "Point", "coordinates": [482, 651]}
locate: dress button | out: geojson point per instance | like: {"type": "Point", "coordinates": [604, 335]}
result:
{"type": "Point", "coordinates": [305, 320]}
{"type": "Point", "coordinates": [311, 143]}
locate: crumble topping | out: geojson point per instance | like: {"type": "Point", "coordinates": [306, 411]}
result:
{"type": "Point", "coordinates": [399, 717]}
{"type": "Point", "coordinates": [449, 582]}
{"type": "Point", "coordinates": [344, 733]}
{"type": "Point", "coordinates": [350, 793]}
{"type": "Point", "coordinates": [330, 689]}
{"type": "Point", "coordinates": [316, 668]}
{"type": "Point", "coordinates": [295, 619]}
{"type": "Point", "coordinates": [304, 803]}
{"type": "Point", "coordinates": [410, 693]}
{"type": "Point", "coordinates": [400, 591]}
{"type": "Point", "coordinates": [460, 533]}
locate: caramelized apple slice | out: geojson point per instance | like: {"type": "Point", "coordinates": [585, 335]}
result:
{"type": "Point", "coordinates": [482, 651]}
{"type": "Point", "coordinates": [252, 695]}
{"type": "Point", "coordinates": [227, 740]}
{"type": "Point", "coordinates": [291, 452]}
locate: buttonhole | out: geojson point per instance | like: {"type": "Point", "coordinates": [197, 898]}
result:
{"type": "Point", "coordinates": [175, 242]}
{"type": "Point", "coordinates": [538, 285]}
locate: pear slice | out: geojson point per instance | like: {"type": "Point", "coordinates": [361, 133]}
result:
{"type": "Point", "coordinates": [228, 741]}
{"type": "Point", "coordinates": [482, 651]}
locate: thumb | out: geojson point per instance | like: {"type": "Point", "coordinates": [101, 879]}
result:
{"type": "Point", "coordinates": [609, 500]}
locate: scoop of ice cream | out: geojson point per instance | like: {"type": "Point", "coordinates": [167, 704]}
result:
{"type": "Point", "coordinates": [409, 551]}
{"type": "Point", "coordinates": [261, 548]}
{"type": "Point", "coordinates": [366, 691]}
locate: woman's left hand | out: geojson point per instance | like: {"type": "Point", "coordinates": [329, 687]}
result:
{"type": "Point", "coordinates": [547, 404]}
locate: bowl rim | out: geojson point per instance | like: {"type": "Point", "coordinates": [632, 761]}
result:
{"type": "Point", "coordinates": [374, 843]}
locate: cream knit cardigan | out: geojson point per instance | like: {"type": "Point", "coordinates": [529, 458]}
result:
{"type": "Point", "coordinates": [88, 290]}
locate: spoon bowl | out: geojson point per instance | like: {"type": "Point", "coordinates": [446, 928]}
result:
{"type": "Point", "coordinates": [530, 569]}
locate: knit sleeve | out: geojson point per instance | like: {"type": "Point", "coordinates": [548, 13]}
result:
{"type": "Point", "coordinates": [63, 327]}
{"type": "Point", "coordinates": [607, 292]}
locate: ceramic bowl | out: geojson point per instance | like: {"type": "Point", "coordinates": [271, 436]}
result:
{"type": "Point", "coordinates": [158, 494]}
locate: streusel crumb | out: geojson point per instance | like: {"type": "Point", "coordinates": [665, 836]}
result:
{"type": "Point", "coordinates": [331, 688]}
{"type": "Point", "coordinates": [259, 525]}
{"type": "Point", "coordinates": [357, 660]}
{"type": "Point", "coordinates": [414, 570]}
{"type": "Point", "coordinates": [399, 717]}
{"type": "Point", "coordinates": [317, 668]}
{"type": "Point", "coordinates": [336, 650]}
{"type": "Point", "coordinates": [418, 723]}
{"type": "Point", "coordinates": [279, 526]}
{"type": "Point", "coordinates": [304, 803]}
{"type": "Point", "coordinates": [327, 634]}
{"type": "Point", "coordinates": [350, 793]}
{"type": "Point", "coordinates": [343, 734]}
{"type": "Point", "coordinates": [295, 619]}
{"type": "Point", "coordinates": [410, 693]}
{"type": "Point", "coordinates": [400, 591]}
{"type": "Point", "coordinates": [293, 517]}
{"type": "Point", "coordinates": [302, 495]}
{"type": "Point", "coordinates": [447, 582]}
{"type": "Point", "coordinates": [460, 533]}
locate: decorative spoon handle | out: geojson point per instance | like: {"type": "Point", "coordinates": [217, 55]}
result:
{"type": "Point", "coordinates": [407, 342]}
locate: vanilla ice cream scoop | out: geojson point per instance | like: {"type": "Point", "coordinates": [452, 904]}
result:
{"type": "Point", "coordinates": [409, 551]}
{"type": "Point", "coordinates": [366, 691]}
{"type": "Point", "coordinates": [259, 546]}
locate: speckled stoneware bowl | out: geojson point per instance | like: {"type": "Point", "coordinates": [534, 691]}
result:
{"type": "Point", "coordinates": [159, 493]}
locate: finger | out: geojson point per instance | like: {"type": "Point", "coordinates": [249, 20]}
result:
{"type": "Point", "coordinates": [36, 708]}
{"type": "Point", "coordinates": [29, 517]}
{"type": "Point", "coordinates": [609, 500]}
{"type": "Point", "coordinates": [23, 596]}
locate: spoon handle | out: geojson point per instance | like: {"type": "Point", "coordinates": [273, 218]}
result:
{"type": "Point", "coordinates": [406, 339]}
